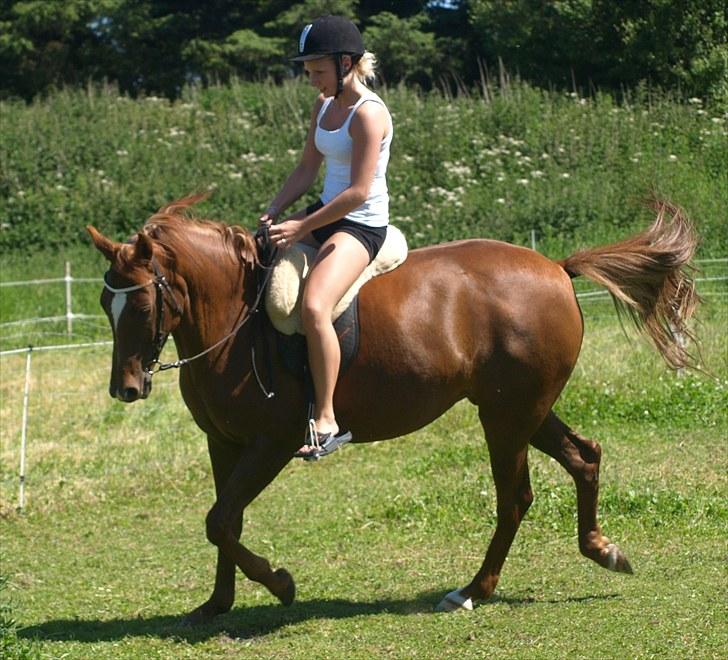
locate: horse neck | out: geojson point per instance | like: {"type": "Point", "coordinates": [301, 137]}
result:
{"type": "Point", "coordinates": [220, 293]}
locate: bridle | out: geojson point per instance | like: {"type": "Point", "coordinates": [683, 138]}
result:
{"type": "Point", "coordinates": [162, 286]}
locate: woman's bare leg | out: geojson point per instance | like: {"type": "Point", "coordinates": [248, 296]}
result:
{"type": "Point", "coordinates": [340, 261]}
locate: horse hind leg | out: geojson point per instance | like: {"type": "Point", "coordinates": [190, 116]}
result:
{"type": "Point", "coordinates": [581, 457]}
{"type": "Point", "coordinates": [508, 449]}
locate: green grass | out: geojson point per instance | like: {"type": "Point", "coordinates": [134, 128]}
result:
{"type": "Point", "coordinates": [111, 550]}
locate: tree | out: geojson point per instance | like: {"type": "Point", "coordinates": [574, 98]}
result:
{"type": "Point", "coordinates": [406, 52]}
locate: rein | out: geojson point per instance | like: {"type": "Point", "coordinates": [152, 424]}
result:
{"type": "Point", "coordinates": [162, 286]}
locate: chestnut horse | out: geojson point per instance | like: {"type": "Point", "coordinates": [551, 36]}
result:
{"type": "Point", "coordinates": [478, 319]}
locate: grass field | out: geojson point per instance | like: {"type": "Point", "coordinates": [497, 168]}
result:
{"type": "Point", "coordinates": [111, 550]}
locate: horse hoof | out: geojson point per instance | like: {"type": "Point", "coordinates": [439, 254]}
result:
{"type": "Point", "coordinates": [288, 594]}
{"type": "Point", "coordinates": [616, 561]}
{"type": "Point", "coordinates": [454, 601]}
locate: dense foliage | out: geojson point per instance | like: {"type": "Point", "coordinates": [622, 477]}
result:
{"type": "Point", "coordinates": [499, 164]}
{"type": "Point", "coordinates": [156, 46]}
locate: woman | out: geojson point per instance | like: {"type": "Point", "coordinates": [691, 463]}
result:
{"type": "Point", "coordinates": [351, 131]}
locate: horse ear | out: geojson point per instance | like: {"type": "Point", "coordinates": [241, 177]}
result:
{"type": "Point", "coordinates": [106, 246]}
{"type": "Point", "coordinates": [143, 247]}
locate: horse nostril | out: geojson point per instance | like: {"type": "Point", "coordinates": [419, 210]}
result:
{"type": "Point", "coordinates": [129, 394]}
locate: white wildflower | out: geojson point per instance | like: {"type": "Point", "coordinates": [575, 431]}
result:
{"type": "Point", "coordinates": [523, 182]}
{"type": "Point", "coordinates": [672, 158]}
{"type": "Point", "coordinates": [122, 152]}
{"type": "Point", "coordinates": [501, 200]}
{"type": "Point", "coordinates": [565, 175]}
{"type": "Point", "coordinates": [235, 175]}
{"type": "Point", "coordinates": [536, 174]}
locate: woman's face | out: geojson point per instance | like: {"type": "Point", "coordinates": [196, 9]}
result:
{"type": "Point", "coordinates": [322, 73]}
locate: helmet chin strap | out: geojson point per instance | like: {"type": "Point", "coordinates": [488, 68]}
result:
{"type": "Point", "coordinates": [339, 75]}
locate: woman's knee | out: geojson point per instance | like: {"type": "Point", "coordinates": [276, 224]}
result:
{"type": "Point", "coordinates": [314, 311]}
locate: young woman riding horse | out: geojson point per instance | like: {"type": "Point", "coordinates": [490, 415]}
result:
{"type": "Point", "coordinates": [351, 130]}
{"type": "Point", "coordinates": [481, 320]}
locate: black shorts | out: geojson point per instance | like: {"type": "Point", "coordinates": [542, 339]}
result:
{"type": "Point", "coordinates": [372, 238]}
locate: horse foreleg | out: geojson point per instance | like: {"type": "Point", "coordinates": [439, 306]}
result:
{"type": "Point", "coordinates": [255, 468]}
{"type": "Point", "coordinates": [223, 457]}
{"type": "Point", "coordinates": [581, 457]}
{"type": "Point", "coordinates": [509, 464]}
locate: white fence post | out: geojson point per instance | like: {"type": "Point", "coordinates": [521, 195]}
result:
{"type": "Point", "coordinates": [24, 430]}
{"type": "Point", "coordinates": [533, 239]}
{"type": "Point", "coordinates": [69, 309]}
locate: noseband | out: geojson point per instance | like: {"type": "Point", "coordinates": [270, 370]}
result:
{"type": "Point", "coordinates": [162, 287]}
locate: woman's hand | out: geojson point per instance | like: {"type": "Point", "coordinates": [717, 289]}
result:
{"type": "Point", "coordinates": [270, 215]}
{"type": "Point", "coordinates": [286, 233]}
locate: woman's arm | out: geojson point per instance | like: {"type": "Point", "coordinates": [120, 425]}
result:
{"type": "Point", "coordinates": [303, 176]}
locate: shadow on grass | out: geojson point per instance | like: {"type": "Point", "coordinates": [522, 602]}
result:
{"type": "Point", "coordinates": [256, 621]}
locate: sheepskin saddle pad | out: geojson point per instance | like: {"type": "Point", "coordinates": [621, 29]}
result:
{"type": "Point", "coordinates": [283, 294]}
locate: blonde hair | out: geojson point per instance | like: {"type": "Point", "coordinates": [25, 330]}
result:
{"type": "Point", "coordinates": [365, 68]}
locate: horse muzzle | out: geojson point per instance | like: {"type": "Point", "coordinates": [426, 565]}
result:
{"type": "Point", "coordinates": [130, 390]}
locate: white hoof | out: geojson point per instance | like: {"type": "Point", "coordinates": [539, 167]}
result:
{"type": "Point", "coordinates": [454, 601]}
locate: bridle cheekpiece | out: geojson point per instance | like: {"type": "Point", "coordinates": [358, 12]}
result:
{"type": "Point", "coordinates": [162, 287]}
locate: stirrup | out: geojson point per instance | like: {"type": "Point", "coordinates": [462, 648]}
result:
{"type": "Point", "coordinates": [323, 443]}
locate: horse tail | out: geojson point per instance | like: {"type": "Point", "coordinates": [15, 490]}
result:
{"type": "Point", "coordinates": [650, 279]}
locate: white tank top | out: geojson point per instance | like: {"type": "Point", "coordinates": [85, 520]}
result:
{"type": "Point", "coordinates": [336, 148]}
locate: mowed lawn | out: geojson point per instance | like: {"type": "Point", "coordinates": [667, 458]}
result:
{"type": "Point", "coordinates": [111, 550]}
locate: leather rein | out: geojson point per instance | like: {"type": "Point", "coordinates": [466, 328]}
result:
{"type": "Point", "coordinates": [164, 292]}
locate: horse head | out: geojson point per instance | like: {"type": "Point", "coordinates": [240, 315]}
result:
{"type": "Point", "coordinates": [144, 304]}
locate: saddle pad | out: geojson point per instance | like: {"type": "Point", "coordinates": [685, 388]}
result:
{"type": "Point", "coordinates": [283, 295]}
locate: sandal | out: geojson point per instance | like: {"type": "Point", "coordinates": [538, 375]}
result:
{"type": "Point", "coordinates": [324, 444]}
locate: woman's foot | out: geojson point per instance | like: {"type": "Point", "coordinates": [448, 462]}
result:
{"type": "Point", "coordinates": [322, 443]}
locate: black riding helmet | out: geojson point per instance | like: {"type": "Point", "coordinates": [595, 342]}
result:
{"type": "Point", "coordinates": [330, 35]}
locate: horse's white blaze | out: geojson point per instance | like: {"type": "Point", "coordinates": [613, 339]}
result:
{"type": "Point", "coordinates": [118, 302]}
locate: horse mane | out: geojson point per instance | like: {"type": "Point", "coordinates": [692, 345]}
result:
{"type": "Point", "coordinates": [170, 228]}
